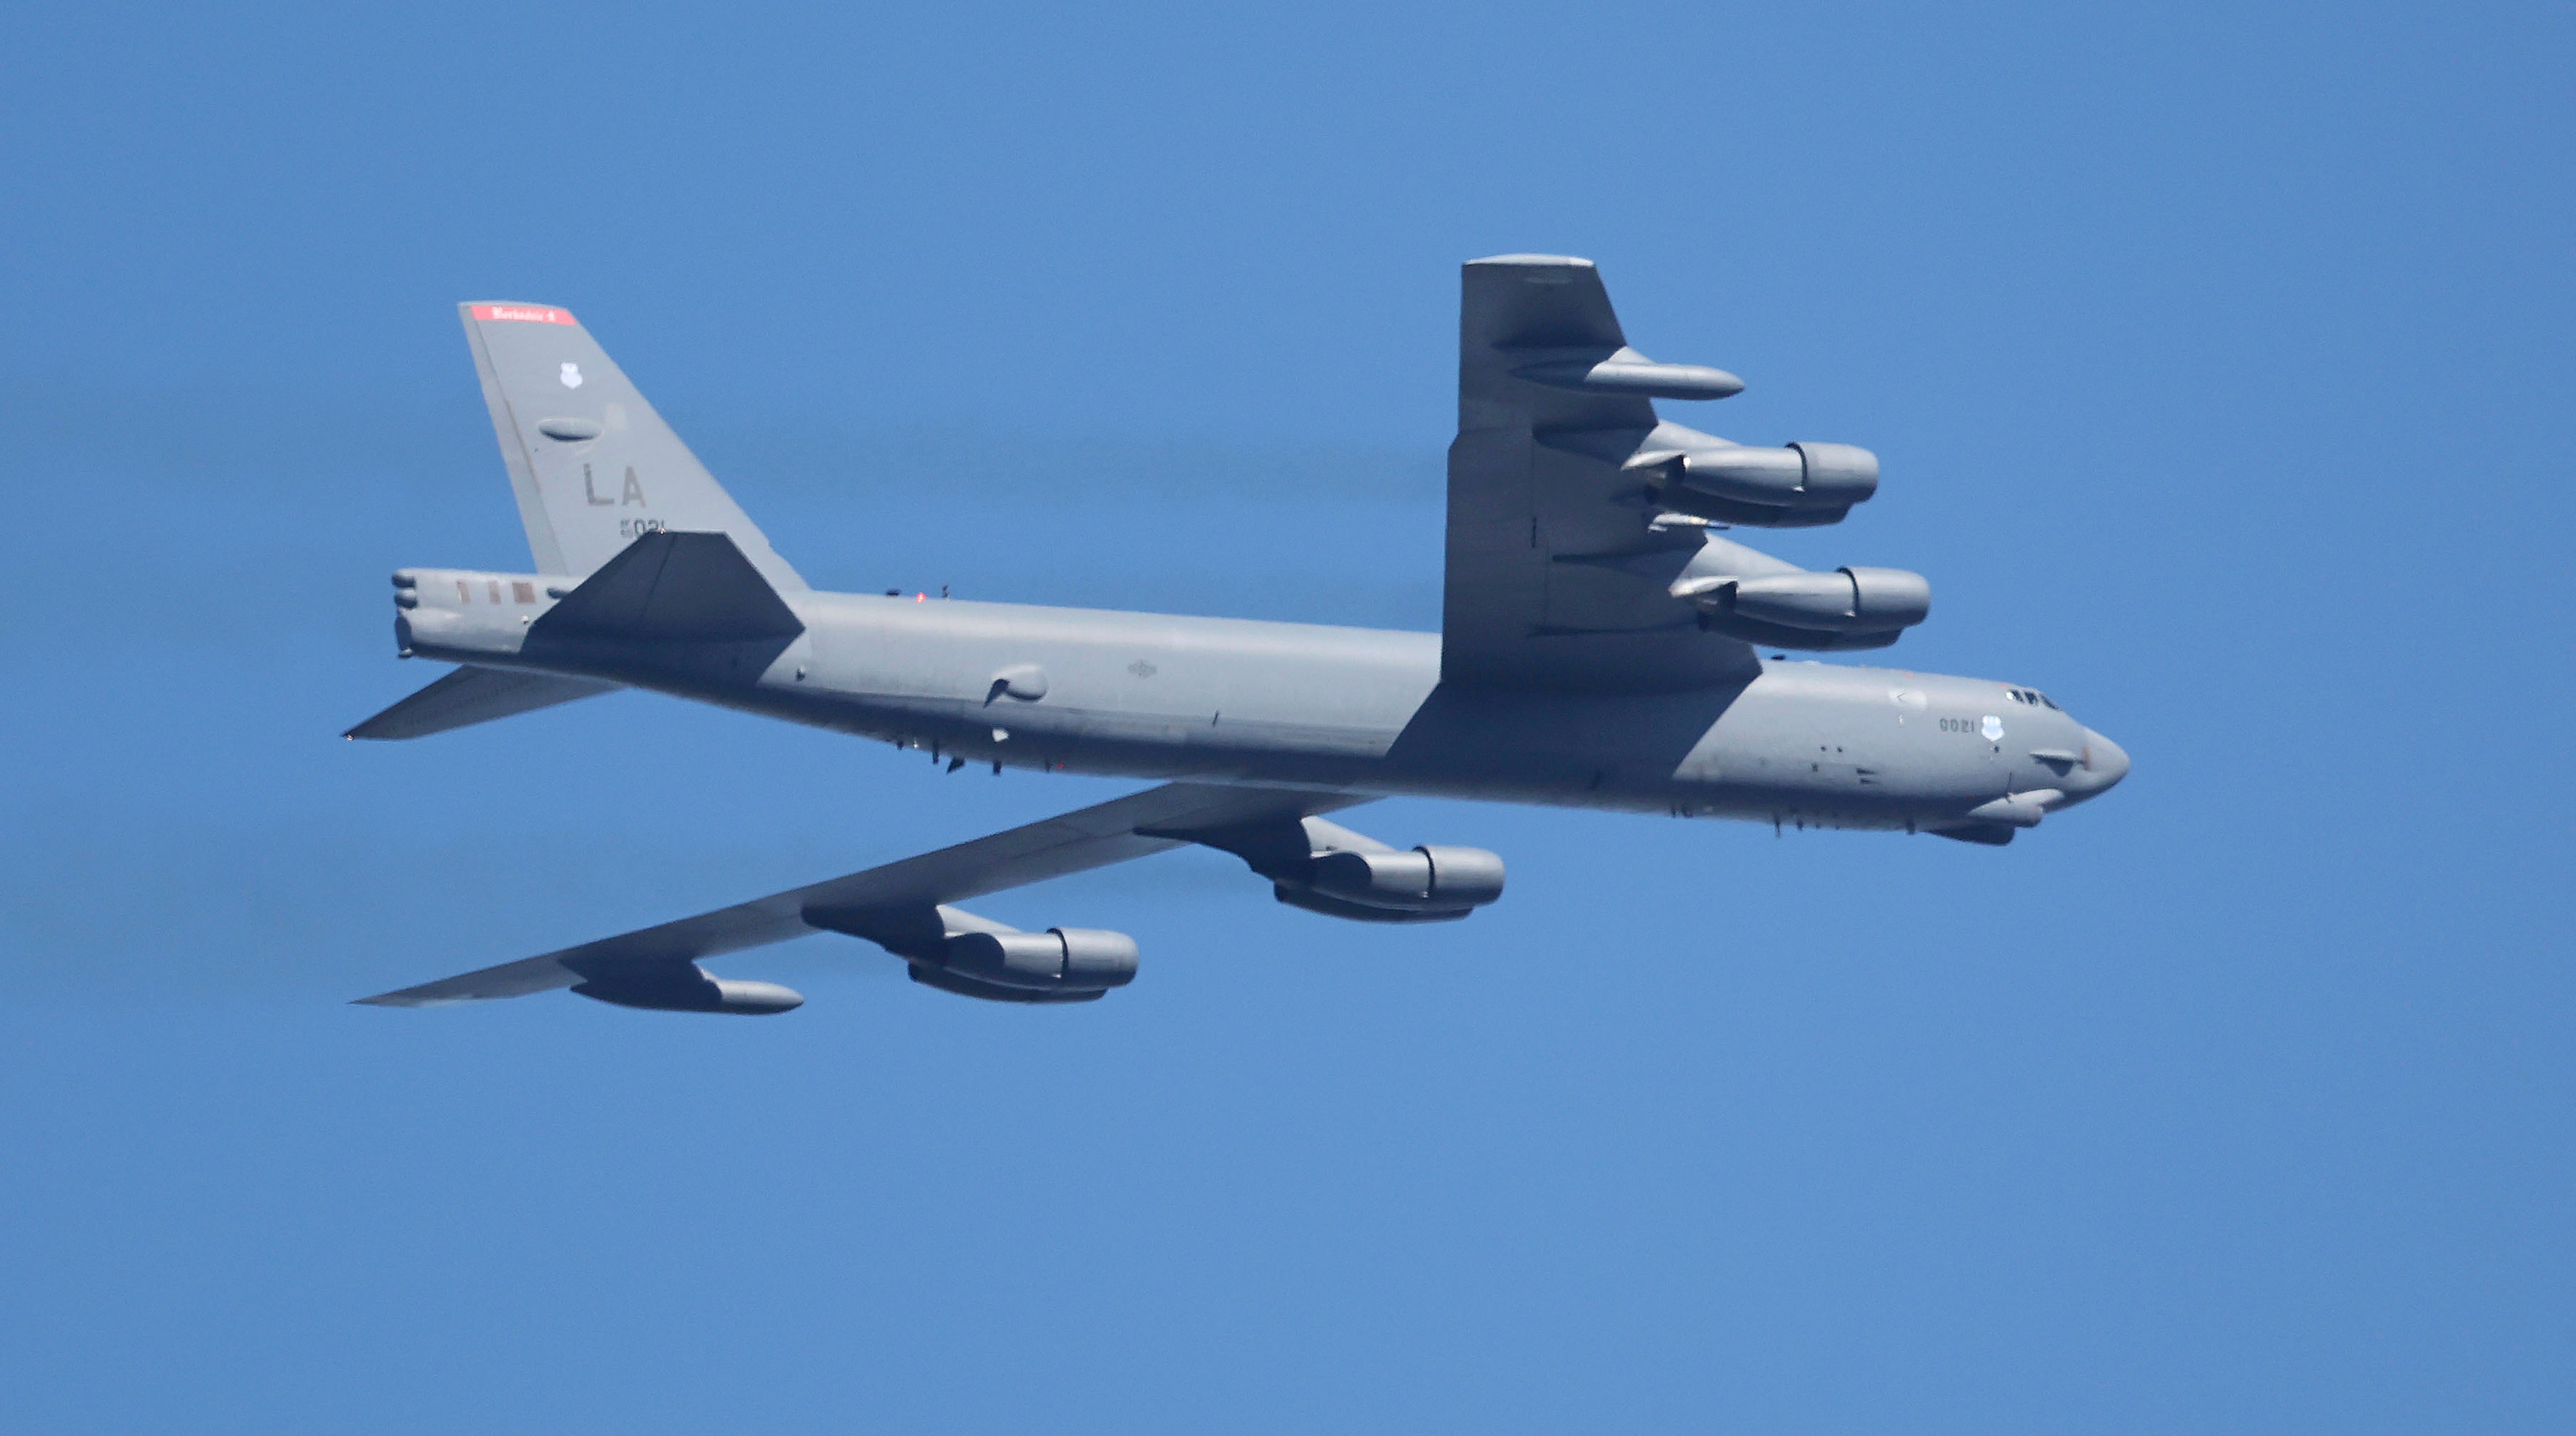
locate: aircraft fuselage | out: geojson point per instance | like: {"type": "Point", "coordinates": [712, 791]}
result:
{"type": "Point", "coordinates": [1308, 705]}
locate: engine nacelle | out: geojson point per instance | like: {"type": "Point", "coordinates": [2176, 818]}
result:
{"type": "Point", "coordinates": [1797, 476]}
{"type": "Point", "coordinates": [1060, 958]}
{"type": "Point", "coordinates": [1800, 485]}
{"type": "Point", "coordinates": [1427, 879]}
{"type": "Point", "coordinates": [686, 989]}
{"type": "Point", "coordinates": [1848, 608]}
{"type": "Point", "coordinates": [1848, 600]}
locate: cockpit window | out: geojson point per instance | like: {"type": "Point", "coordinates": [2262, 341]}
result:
{"type": "Point", "coordinates": [2051, 702]}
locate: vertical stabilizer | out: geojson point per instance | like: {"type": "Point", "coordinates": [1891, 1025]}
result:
{"type": "Point", "coordinates": [593, 466]}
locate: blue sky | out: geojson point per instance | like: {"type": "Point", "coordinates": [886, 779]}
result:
{"type": "Point", "coordinates": [2218, 359]}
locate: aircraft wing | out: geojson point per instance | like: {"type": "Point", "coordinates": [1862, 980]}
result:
{"type": "Point", "coordinates": [1093, 837]}
{"type": "Point", "coordinates": [1557, 574]}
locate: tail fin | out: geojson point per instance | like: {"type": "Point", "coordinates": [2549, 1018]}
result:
{"type": "Point", "coordinates": [593, 466]}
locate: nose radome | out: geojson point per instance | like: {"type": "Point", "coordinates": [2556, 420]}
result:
{"type": "Point", "coordinates": [2107, 761]}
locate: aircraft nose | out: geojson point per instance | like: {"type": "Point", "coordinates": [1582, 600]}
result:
{"type": "Point", "coordinates": [2106, 761]}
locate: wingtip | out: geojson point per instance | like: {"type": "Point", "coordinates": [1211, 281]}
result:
{"type": "Point", "coordinates": [396, 999]}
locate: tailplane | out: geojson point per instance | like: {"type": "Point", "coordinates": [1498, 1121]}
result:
{"type": "Point", "coordinates": [473, 695]}
{"type": "Point", "coordinates": [593, 466]}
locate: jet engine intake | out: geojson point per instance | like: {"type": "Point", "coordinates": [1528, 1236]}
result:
{"type": "Point", "coordinates": [1060, 958]}
{"type": "Point", "coordinates": [1848, 608]}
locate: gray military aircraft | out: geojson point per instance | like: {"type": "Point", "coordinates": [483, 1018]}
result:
{"type": "Point", "coordinates": [1598, 648]}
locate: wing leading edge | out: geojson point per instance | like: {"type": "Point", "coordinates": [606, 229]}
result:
{"type": "Point", "coordinates": [894, 903]}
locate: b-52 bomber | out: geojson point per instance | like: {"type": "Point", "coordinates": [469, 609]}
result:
{"type": "Point", "coordinates": [1601, 646]}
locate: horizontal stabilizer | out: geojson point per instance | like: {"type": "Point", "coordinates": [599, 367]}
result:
{"type": "Point", "coordinates": [474, 695]}
{"type": "Point", "coordinates": [674, 587]}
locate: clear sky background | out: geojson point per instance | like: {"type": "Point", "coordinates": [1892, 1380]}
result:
{"type": "Point", "coordinates": [2219, 359]}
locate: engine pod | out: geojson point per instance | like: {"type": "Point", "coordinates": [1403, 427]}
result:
{"type": "Point", "coordinates": [1848, 600]}
{"type": "Point", "coordinates": [1848, 608]}
{"type": "Point", "coordinates": [1428, 878]}
{"type": "Point", "coordinates": [1059, 957]}
{"type": "Point", "coordinates": [1800, 485]}
{"type": "Point", "coordinates": [1795, 476]}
